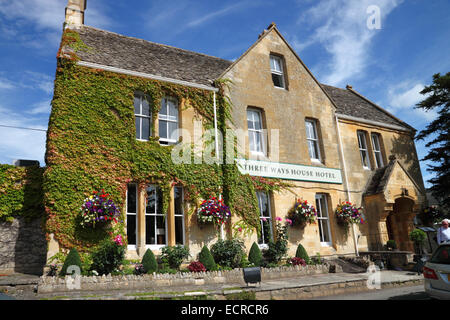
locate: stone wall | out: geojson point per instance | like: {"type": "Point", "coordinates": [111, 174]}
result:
{"type": "Point", "coordinates": [23, 247]}
{"type": "Point", "coordinates": [151, 282]}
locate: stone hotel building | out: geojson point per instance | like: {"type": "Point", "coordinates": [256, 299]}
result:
{"type": "Point", "coordinates": [328, 144]}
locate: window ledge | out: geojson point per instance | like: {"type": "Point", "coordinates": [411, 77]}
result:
{"type": "Point", "coordinates": [326, 244]}
{"type": "Point", "coordinates": [155, 246]}
{"type": "Point", "coordinates": [316, 162]}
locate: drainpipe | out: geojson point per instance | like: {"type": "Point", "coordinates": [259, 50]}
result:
{"type": "Point", "coordinates": [346, 184]}
{"type": "Point", "coordinates": [222, 232]}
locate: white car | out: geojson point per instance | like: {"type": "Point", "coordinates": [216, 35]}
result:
{"type": "Point", "coordinates": [437, 273]}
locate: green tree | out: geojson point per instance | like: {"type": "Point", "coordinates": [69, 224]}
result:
{"type": "Point", "coordinates": [438, 99]}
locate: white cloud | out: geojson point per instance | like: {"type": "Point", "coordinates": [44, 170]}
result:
{"type": "Point", "coordinates": [43, 107]}
{"type": "Point", "coordinates": [341, 27]}
{"type": "Point", "coordinates": [407, 98]}
{"type": "Point", "coordinates": [404, 97]}
{"type": "Point", "coordinates": [49, 14]}
{"type": "Point", "coordinates": [20, 143]}
{"type": "Point", "coordinates": [215, 14]}
{"type": "Point", "coordinates": [6, 84]}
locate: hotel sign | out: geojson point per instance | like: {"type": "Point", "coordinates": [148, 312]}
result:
{"type": "Point", "coordinates": [289, 171]}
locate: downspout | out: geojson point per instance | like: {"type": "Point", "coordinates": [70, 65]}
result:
{"type": "Point", "coordinates": [217, 151]}
{"type": "Point", "coordinates": [346, 183]}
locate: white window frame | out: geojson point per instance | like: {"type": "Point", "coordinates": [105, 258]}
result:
{"type": "Point", "coordinates": [180, 215]}
{"type": "Point", "coordinates": [268, 218]}
{"type": "Point", "coordinates": [363, 149]}
{"type": "Point", "coordinates": [277, 72]}
{"type": "Point", "coordinates": [313, 141]}
{"type": "Point", "coordinates": [155, 215]}
{"type": "Point", "coordinates": [168, 118]}
{"type": "Point", "coordinates": [322, 208]}
{"type": "Point", "coordinates": [377, 154]}
{"type": "Point", "coordinates": [141, 116]}
{"type": "Point", "coordinates": [254, 132]}
{"type": "Point", "coordinates": [133, 246]}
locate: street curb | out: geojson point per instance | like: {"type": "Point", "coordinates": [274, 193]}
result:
{"type": "Point", "coordinates": [294, 292]}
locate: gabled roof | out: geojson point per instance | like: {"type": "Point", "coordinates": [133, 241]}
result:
{"type": "Point", "coordinates": [114, 50]}
{"type": "Point", "coordinates": [351, 103]}
{"type": "Point", "coordinates": [145, 57]}
{"type": "Point", "coordinates": [381, 177]}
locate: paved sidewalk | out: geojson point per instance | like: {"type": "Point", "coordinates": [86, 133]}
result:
{"type": "Point", "coordinates": [304, 287]}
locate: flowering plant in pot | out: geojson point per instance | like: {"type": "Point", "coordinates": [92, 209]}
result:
{"type": "Point", "coordinates": [213, 211]}
{"type": "Point", "coordinates": [346, 213]}
{"type": "Point", "coordinates": [302, 213]}
{"type": "Point", "coordinates": [98, 210]}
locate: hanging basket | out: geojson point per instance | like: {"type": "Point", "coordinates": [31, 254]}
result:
{"type": "Point", "coordinates": [302, 213]}
{"type": "Point", "coordinates": [213, 212]}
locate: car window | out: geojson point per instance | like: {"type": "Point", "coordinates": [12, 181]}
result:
{"type": "Point", "coordinates": [442, 255]}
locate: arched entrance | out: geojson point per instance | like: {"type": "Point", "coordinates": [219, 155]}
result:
{"type": "Point", "coordinates": [400, 222]}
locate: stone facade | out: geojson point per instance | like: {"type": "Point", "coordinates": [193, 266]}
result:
{"type": "Point", "coordinates": [398, 184]}
{"type": "Point", "coordinates": [23, 247]}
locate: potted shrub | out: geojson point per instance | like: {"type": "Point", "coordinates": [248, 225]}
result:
{"type": "Point", "coordinates": [302, 213]}
{"type": "Point", "coordinates": [418, 237]}
{"type": "Point", "coordinates": [391, 245]}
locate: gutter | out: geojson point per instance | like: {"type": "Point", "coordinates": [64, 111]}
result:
{"type": "Point", "coordinates": [145, 75]}
{"type": "Point", "coordinates": [355, 242]}
{"type": "Point", "coordinates": [374, 123]}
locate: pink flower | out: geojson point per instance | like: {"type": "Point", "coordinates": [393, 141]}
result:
{"type": "Point", "coordinates": [118, 240]}
{"type": "Point", "coordinates": [289, 221]}
{"type": "Point", "coordinates": [278, 219]}
{"type": "Point", "coordinates": [264, 219]}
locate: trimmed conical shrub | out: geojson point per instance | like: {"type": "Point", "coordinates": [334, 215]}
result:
{"type": "Point", "coordinates": [206, 258]}
{"type": "Point", "coordinates": [72, 259]}
{"type": "Point", "coordinates": [301, 253]}
{"type": "Point", "coordinates": [149, 262]}
{"type": "Point", "coordinates": [255, 255]}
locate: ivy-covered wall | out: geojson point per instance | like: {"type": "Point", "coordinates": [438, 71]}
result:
{"type": "Point", "coordinates": [91, 145]}
{"type": "Point", "coordinates": [21, 192]}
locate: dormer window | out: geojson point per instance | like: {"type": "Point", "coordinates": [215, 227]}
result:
{"type": "Point", "coordinates": [276, 67]}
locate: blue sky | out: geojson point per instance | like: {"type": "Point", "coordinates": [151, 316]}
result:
{"type": "Point", "coordinates": [388, 65]}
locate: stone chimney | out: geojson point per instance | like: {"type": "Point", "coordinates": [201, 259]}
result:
{"type": "Point", "coordinates": [75, 12]}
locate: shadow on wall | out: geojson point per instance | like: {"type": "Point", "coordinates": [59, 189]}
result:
{"type": "Point", "coordinates": [30, 245]}
{"type": "Point", "coordinates": [404, 149]}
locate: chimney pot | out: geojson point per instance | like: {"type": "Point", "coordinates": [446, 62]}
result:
{"type": "Point", "coordinates": [75, 12]}
{"type": "Point", "coordinates": [349, 87]}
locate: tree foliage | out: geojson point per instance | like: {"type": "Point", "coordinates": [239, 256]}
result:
{"type": "Point", "coordinates": [438, 131]}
